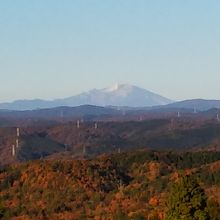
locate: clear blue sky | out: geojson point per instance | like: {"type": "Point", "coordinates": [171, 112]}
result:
{"type": "Point", "coordinates": [58, 48]}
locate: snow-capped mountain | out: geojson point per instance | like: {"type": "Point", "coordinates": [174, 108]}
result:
{"type": "Point", "coordinates": [116, 95]}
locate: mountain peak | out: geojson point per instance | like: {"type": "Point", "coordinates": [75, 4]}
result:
{"type": "Point", "coordinates": [112, 88]}
{"type": "Point", "coordinates": [117, 87]}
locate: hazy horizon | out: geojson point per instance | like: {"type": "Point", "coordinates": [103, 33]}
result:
{"type": "Point", "coordinates": [53, 49]}
{"type": "Point", "coordinates": [89, 90]}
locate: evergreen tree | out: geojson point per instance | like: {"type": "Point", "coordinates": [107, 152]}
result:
{"type": "Point", "coordinates": [187, 201]}
{"type": "Point", "coordinates": [2, 209]}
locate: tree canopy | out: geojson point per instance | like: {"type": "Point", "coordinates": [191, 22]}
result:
{"type": "Point", "coordinates": [187, 201]}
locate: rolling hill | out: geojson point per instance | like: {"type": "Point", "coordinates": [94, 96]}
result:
{"type": "Point", "coordinates": [66, 140]}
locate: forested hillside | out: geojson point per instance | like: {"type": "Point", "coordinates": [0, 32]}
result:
{"type": "Point", "coordinates": [132, 185]}
{"type": "Point", "coordinates": [90, 139]}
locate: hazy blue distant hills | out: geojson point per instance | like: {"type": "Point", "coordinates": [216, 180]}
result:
{"type": "Point", "coordinates": [196, 104]}
{"type": "Point", "coordinates": [85, 111]}
{"type": "Point", "coordinates": [21, 105]}
{"type": "Point", "coordinates": [117, 95]}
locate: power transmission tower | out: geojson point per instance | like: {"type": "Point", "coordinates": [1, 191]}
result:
{"type": "Point", "coordinates": [195, 111]}
{"type": "Point", "coordinates": [218, 119]}
{"type": "Point", "coordinates": [18, 132]}
{"type": "Point", "coordinates": [78, 124]}
{"type": "Point", "coordinates": [96, 125]}
{"type": "Point", "coordinates": [17, 139]}
{"type": "Point", "coordinates": [13, 150]}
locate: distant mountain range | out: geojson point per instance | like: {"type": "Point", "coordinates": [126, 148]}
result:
{"type": "Point", "coordinates": [117, 95]}
{"type": "Point", "coordinates": [195, 104]}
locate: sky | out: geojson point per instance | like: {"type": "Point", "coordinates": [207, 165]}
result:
{"type": "Point", "coordinates": [58, 48]}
